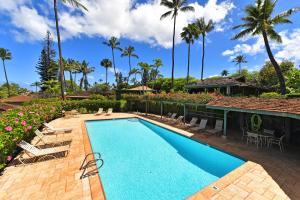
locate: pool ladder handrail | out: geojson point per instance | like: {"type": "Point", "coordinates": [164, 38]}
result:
{"type": "Point", "coordinates": [87, 164]}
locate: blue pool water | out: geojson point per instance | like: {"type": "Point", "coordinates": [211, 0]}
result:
{"type": "Point", "coordinates": [145, 161]}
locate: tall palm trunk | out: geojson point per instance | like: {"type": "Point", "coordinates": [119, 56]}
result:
{"type": "Point", "coordinates": [203, 54]}
{"type": "Point", "coordinates": [113, 56]}
{"type": "Point", "coordinates": [240, 68]}
{"type": "Point", "coordinates": [188, 67]}
{"type": "Point", "coordinates": [71, 79]}
{"type": "Point", "coordinates": [173, 49]}
{"type": "Point", "coordinates": [62, 79]}
{"type": "Point", "coordinates": [106, 69]}
{"type": "Point", "coordinates": [129, 62]}
{"type": "Point", "coordinates": [75, 80]}
{"type": "Point", "coordinates": [7, 84]}
{"type": "Point", "coordinates": [275, 64]}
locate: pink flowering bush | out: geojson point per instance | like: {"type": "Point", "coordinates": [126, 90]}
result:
{"type": "Point", "coordinates": [19, 124]}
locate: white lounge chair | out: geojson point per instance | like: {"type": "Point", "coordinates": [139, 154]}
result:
{"type": "Point", "coordinates": [100, 112]}
{"type": "Point", "coordinates": [179, 120]}
{"type": "Point", "coordinates": [193, 122]}
{"type": "Point", "coordinates": [50, 140]}
{"type": "Point", "coordinates": [39, 154]}
{"type": "Point", "coordinates": [173, 116]}
{"type": "Point", "coordinates": [109, 111]}
{"type": "Point", "coordinates": [218, 127]}
{"type": "Point", "coordinates": [201, 126]}
{"type": "Point", "coordinates": [51, 129]}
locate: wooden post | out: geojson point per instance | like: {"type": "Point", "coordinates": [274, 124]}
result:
{"type": "Point", "coordinates": [228, 90]}
{"type": "Point", "coordinates": [184, 113]}
{"type": "Point", "coordinates": [161, 110]}
{"type": "Point", "coordinates": [287, 129]}
{"type": "Point", "coordinates": [146, 108]}
{"type": "Point", "coordinates": [225, 124]}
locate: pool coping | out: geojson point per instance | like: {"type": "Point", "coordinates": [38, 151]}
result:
{"type": "Point", "coordinates": [96, 186]}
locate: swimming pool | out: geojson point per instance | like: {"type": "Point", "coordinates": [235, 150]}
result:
{"type": "Point", "coordinates": [146, 161]}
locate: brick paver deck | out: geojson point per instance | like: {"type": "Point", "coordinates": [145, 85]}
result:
{"type": "Point", "coordinates": [59, 178]}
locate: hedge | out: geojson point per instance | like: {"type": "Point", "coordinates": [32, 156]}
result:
{"type": "Point", "coordinates": [19, 124]}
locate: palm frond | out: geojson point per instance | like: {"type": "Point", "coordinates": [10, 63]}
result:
{"type": "Point", "coordinates": [243, 33]}
{"type": "Point", "coordinates": [167, 14]}
{"type": "Point", "coordinates": [282, 17]}
{"type": "Point", "coordinates": [168, 4]}
{"type": "Point", "coordinates": [75, 3]}
{"type": "Point", "coordinates": [187, 8]}
{"type": "Point", "coordinates": [274, 35]}
{"type": "Point", "coordinates": [134, 55]}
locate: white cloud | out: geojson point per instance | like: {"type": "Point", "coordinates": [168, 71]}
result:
{"type": "Point", "coordinates": [126, 18]}
{"type": "Point", "coordinates": [289, 48]}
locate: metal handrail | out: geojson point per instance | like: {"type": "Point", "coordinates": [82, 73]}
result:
{"type": "Point", "coordinates": [87, 164]}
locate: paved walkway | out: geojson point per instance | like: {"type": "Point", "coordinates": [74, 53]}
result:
{"type": "Point", "coordinates": [59, 179]}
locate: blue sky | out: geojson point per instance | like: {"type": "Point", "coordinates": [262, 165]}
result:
{"type": "Point", "coordinates": [24, 24]}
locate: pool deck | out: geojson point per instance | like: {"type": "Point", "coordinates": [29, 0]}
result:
{"type": "Point", "coordinates": [268, 174]}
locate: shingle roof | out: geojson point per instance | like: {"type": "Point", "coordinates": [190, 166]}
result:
{"type": "Point", "coordinates": [17, 99]}
{"type": "Point", "coordinates": [223, 81]}
{"type": "Point", "coordinates": [291, 106]}
{"type": "Point", "coordinates": [6, 106]}
{"type": "Point", "coordinates": [141, 88]}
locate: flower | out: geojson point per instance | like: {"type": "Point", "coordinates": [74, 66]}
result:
{"type": "Point", "coordinates": [29, 127]}
{"type": "Point", "coordinates": [8, 128]}
{"type": "Point", "coordinates": [24, 123]}
{"type": "Point", "coordinates": [17, 120]}
{"type": "Point", "coordinates": [20, 114]}
{"type": "Point", "coordinates": [9, 158]}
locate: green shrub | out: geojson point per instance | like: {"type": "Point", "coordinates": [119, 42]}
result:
{"type": "Point", "coordinates": [91, 105]}
{"type": "Point", "coordinates": [19, 124]}
{"type": "Point", "coordinates": [293, 95]}
{"type": "Point", "coordinates": [98, 97]}
{"type": "Point", "coordinates": [271, 95]}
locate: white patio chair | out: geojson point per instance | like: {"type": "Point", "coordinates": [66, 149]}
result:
{"type": "Point", "coordinates": [50, 139]}
{"type": "Point", "coordinates": [100, 112]}
{"type": "Point", "coordinates": [253, 138]}
{"type": "Point", "coordinates": [51, 129]}
{"type": "Point", "coordinates": [201, 126]}
{"type": "Point", "coordinates": [39, 154]}
{"type": "Point", "coordinates": [277, 141]}
{"type": "Point", "coordinates": [109, 111]}
{"type": "Point", "coordinates": [218, 127]}
{"type": "Point", "coordinates": [193, 122]}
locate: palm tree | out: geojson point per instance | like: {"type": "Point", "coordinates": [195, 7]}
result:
{"type": "Point", "coordinates": [187, 35]}
{"type": "Point", "coordinates": [224, 72]}
{"type": "Point", "coordinates": [106, 63]}
{"type": "Point", "coordinates": [76, 4]}
{"type": "Point", "coordinates": [259, 21]}
{"type": "Point", "coordinates": [70, 66]}
{"type": "Point", "coordinates": [145, 68]}
{"type": "Point", "coordinates": [174, 7]}
{"type": "Point", "coordinates": [157, 64]}
{"type": "Point", "coordinates": [5, 54]}
{"type": "Point", "coordinates": [129, 52]}
{"type": "Point", "coordinates": [203, 29]}
{"type": "Point", "coordinates": [134, 71]}
{"type": "Point", "coordinates": [85, 70]}
{"type": "Point", "coordinates": [36, 84]}
{"type": "Point", "coordinates": [113, 43]}
{"type": "Point", "coordinates": [77, 67]}
{"type": "Point", "coordinates": [239, 60]}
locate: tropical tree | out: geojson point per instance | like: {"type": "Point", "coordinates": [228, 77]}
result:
{"type": "Point", "coordinates": [174, 7]}
{"type": "Point", "coordinates": [188, 33]}
{"type": "Point", "coordinates": [36, 84]}
{"type": "Point", "coordinates": [224, 72]}
{"type": "Point", "coordinates": [76, 4]}
{"type": "Point", "coordinates": [5, 54]}
{"type": "Point", "coordinates": [85, 70]}
{"type": "Point", "coordinates": [239, 60]}
{"type": "Point", "coordinates": [134, 71]}
{"type": "Point", "coordinates": [145, 68]}
{"type": "Point", "coordinates": [71, 67]}
{"type": "Point", "coordinates": [113, 43]}
{"type": "Point", "coordinates": [259, 21]}
{"type": "Point", "coordinates": [129, 52]}
{"type": "Point", "coordinates": [106, 63]}
{"type": "Point", "coordinates": [76, 70]}
{"type": "Point", "coordinates": [203, 29]}
{"type": "Point", "coordinates": [157, 63]}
